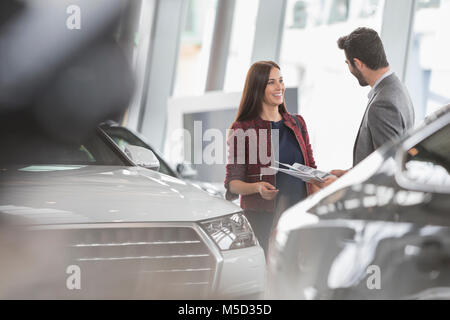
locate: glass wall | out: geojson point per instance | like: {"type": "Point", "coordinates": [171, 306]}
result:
{"type": "Point", "coordinates": [195, 46]}
{"type": "Point", "coordinates": [139, 62]}
{"type": "Point", "coordinates": [428, 73]}
{"type": "Point", "coordinates": [241, 44]}
{"type": "Point", "coordinates": [330, 98]}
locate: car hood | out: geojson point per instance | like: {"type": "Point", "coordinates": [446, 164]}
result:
{"type": "Point", "coordinates": [215, 189]}
{"type": "Point", "coordinates": [98, 194]}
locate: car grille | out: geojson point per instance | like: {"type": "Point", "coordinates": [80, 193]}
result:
{"type": "Point", "coordinates": [138, 262]}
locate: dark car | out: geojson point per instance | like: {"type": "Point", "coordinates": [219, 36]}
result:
{"type": "Point", "coordinates": [382, 231]}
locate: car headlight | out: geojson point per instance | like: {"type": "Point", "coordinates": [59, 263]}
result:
{"type": "Point", "coordinates": [230, 232]}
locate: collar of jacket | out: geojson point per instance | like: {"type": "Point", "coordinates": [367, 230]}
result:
{"type": "Point", "coordinates": [386, 81]}
{"type": "Point", "coordinates": [287, 117]}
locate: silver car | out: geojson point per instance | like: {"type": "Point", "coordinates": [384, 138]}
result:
{"type": "Point", "coordinates": [81, 221]}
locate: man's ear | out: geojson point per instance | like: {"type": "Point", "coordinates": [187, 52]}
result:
{"type": "Point", "coordinates": [358, 63]}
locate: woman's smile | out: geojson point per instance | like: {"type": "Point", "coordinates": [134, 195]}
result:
{"type": "Point", "coordinates": [274, 93]}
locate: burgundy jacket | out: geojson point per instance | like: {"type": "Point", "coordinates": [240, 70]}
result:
{"type": "Point", "coordinates": [251, 173]}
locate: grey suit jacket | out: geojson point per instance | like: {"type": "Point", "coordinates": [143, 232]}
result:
{"type": "Point", "coordinates": [389, 114]}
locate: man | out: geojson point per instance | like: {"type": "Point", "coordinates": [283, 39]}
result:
{"type": "Point", "coordinates": [389, 112]}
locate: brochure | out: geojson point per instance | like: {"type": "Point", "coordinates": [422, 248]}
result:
{"type": "Point", "coordinates": [302, 172]}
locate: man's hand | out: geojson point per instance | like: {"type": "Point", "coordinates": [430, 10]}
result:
{"type": "Point", "coordinates": [326, 182]}
{"type": "Point", "coordinates": [266, 190]}
{"type": "Point", "coordinates": [338, 173]}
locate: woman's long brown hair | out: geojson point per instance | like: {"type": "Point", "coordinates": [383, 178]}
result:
{"type": "Point", "coordinates": [254, 90]}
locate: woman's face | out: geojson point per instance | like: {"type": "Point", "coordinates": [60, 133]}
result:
{"type": "Point", "coordinates": [274, 93]}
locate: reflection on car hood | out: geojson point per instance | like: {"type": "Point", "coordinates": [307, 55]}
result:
{"type": "Point", "coordinates": [215, 189]}
{"type": "Point", "coordinates": [94, 194]}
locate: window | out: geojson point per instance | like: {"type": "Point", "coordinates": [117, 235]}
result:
{"type": "Point", "coordinates": [339, 11]}
{"type": "Point", "coordinates": [428, 4]}
{"type": "Point", "coordinates": [368, 8]}
{"type": "Point", "coordinates": [429, 161]}
{"type": "Point", "coordinates": [300, 15]}
{"type": "Point", "coordinates": [303, 13]}
{"type": "Point", "coordinates": [428, 72]}
{"type": "Point", "coordinates": [195, 46]}
{"type": "Point", "coordinates": [330, 98]}
{"type": "Point", "coordinates": [241, 44]}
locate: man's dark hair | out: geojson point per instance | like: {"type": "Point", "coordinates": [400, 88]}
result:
{"type": "Point", "coordinates": [365, 45]}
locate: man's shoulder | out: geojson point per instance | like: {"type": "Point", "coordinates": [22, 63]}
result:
{"type": "Point", "coordinates": [391, 91]}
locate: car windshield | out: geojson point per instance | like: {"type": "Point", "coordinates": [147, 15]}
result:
{"type": "Point", "coordinates": [93, 150]}
{"type": "Point", "coordinates": [429, 161]}
{"type": "Point", "coordinates": [123, 137]}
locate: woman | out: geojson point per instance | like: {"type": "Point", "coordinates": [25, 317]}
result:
{"type": "Point", "coordinates": [265, 195]}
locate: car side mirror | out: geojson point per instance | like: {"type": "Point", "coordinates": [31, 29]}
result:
{"type": "Point", "coordinates": [142, 157]}
{"type": "Point", "coordinates": [185, 170]}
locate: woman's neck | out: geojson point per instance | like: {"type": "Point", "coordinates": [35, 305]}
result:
{"type": "Point", "coordinates": [270, 113]}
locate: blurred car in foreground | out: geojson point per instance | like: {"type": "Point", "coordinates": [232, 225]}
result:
{"type": "Point", "coordinates": [124, 137]}
{"type": "Point", "coordinates": [84, 209]}
{"type": "Point", "coordinates": [382, 231]}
